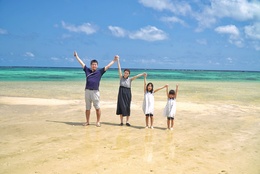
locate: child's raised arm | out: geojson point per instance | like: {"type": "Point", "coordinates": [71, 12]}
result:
{"type": "Point", "coordinates": [160, 88]}
{"type": "Point", "coordinates": [145, 75]}
{"type": "Point", "coordinates": [167, 91]}
{"type": "Point", "coordinates": [176, 91]}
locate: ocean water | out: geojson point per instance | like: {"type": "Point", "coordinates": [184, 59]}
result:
{"type": "Point", "coordinates": [77, 74]}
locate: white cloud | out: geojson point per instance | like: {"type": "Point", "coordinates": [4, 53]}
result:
{"type": "Point", "coordinates": [204, 20]}
{"type": "Point", "coordinates": [207, 14]}
{"type": "Point", "coordinates": [173, 19]}
{"type": "Point", "coordinates": [253, 31]}
{"type": "Point", "coordinates": [2, 31]}
{"type": "Point", "coordinates": [237, 9]}
{"type": "Point", "coordinates": [257, 46]}
{"type": "Point", "coordinates": [202, 41]}
{"type": "Point", "coordinates": [228, 29]}
{"type": "Point", "coordinates": [229, 59]}
{"type": "Point", "coordinates": [86, 28]}
{"type": "Point", "coordinates": [177, 7]}
{"type": "Point", "coordinates": [69, 59]}
{"type": "Point", "coordinates": [55, 58]}
{"type": "Point", "coordinates": [149, 33]}
{"type": "Point", "coordinates": [65, 36]}
{"type": "Point", "coordinates": [117, 31]}
{"type": "Point", "coordinates": [29, 54]}
{"type": "Point", "coordinates": [236, 41]}
{"type": "Point", "coordinates": [146, 61]}
{"type": "Point", "coordinates": [234, 36]}
{"type": "Point", "coordinates": [241, 10]}
{"type": "Point", "coordinates": [157, 4]}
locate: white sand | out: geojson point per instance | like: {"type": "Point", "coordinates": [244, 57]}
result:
{"type": "Point", "coordinates": [216, 130]}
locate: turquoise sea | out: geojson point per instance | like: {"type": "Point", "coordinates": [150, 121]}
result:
{"type": "Point", "coordinates": [77, 74]}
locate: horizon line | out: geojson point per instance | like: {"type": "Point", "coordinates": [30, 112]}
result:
{"type": "Point", "coordinates": [175, 69]}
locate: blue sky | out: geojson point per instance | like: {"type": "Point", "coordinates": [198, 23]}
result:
{"type": "Point", "coordinates": [161, 34]}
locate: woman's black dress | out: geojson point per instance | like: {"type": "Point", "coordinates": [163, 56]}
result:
{"type": "Point", "coordinates": [124, 101]}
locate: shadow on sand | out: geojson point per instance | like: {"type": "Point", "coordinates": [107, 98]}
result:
{"type": "Point", "coordinates": [105, 123]}
{"type": "Point", "coordinates": [68, 123]}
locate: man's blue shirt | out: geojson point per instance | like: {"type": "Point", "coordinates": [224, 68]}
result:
{"type": "Point", "coordinates": [93, 78]}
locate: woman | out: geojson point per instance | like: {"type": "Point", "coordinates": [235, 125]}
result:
{"type": "Point", "coordinates": [124, 94]}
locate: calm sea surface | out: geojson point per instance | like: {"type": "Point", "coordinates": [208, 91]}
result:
{"type": "Point", "coordinates": [77, 74]}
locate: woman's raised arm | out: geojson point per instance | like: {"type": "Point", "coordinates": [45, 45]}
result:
{"type": "Point", "coordinates": [119, 69]}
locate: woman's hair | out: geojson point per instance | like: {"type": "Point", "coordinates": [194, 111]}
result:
{"type": "Point", "coordinates": [172, 92]}
{"type": "Point", "coordinates": [147, 87]}
{"type": "Point", "coordinates": [128, 70]}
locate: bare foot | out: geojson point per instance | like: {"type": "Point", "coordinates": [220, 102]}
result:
{"type": "Point", "coordinates": [85, 124]}
{"type": "Point", "coordinates": [98, 124]}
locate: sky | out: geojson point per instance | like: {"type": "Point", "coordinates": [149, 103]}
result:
{"type": "Point", "coordinates": [150, 34]}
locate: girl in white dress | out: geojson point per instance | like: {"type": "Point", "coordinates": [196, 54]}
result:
{"type": "Point", "coordinates": [170, 108]}
{"type": "Point", "coordinates": [148, 103]}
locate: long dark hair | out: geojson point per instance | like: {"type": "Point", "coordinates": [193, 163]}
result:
{"type": "Point", "coordinates": [147, 87]}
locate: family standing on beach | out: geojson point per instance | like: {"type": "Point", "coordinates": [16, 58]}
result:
{"type": "Point", "coordinates": [92, 95]}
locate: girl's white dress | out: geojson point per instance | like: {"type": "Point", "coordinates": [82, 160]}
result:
{"type": "Point", "coordinates": [170, 108]}
{"type": "Point", "coordinates": [148, 103]}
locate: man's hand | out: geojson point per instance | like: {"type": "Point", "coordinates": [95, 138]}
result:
{"type": "Point", "coordinates": [75, 54]}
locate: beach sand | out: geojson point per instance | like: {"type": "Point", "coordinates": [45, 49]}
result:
{"type": "Point", "coordinates": [217, 128]}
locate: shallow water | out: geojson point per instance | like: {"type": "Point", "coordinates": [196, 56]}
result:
{"type": "Point", "coordinates": [75, 74]}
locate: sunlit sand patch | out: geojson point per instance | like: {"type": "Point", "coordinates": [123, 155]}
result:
{"type": "Point", "coordinates": [35, 101]}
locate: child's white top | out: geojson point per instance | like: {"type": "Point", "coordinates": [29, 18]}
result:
{"type": "Point", "coordinates": [148, 103]}
{"type": "Point", "coordinates": [170, 108]}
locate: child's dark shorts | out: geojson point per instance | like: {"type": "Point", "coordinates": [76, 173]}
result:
{"type": "Point", "coordinates": [148, 115]}
{"type": "Point", "coordinates": [170, 118]}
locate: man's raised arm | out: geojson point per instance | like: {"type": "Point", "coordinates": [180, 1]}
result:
{"type": "Point", "coordinates": [112, 62]}
{"type": "Point", "coordinates": [78, 59]}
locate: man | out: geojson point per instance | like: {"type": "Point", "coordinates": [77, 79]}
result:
{"type": "Point", "coordinates": [93, 77]}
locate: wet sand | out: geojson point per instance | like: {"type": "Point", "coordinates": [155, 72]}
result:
{"type": "Point", "coordinates": [216, 130]}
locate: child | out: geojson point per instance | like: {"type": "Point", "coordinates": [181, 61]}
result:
{"type": "Point", "coordinates": [148, 103]}
{"type": "Point", "coordinates": [170, 108]}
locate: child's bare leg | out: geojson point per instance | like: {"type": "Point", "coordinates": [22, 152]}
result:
{"type": "Point", "coordinates": [151, 117]}
{"type": "Point", "coordinates": [172, 123]}
{"type": "Point", "coordinates": [146, 121]}
{"type": "Point", "coordinates": [168, 123]}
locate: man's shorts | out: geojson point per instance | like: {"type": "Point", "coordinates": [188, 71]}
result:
{"type": "Point", "coordinates": [92, 96]}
